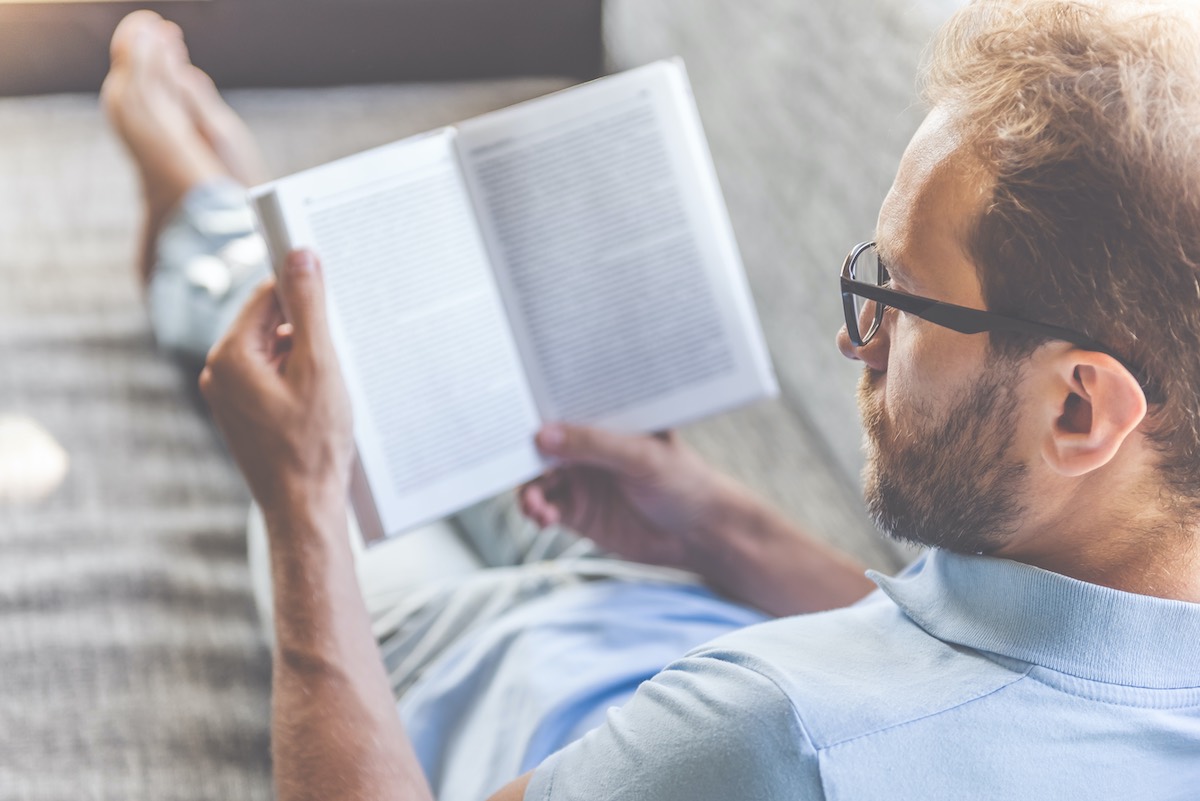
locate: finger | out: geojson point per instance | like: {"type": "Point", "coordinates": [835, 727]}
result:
{"type": "Point", "coordinates": [549, 485]}
{"type": "Point", "coordinates": [590, 446]}
{"type": "Point", "coordinates": [244, 356]}
{"type": "Point", "coordinates": [205, 381]}
{"type": "Point", "coordinates": [522, 502]}
{"type": "Point", "coordinates": [546, 492]}
{"type": "Point", "coordinates": [283, 339]}
{"type": "Point", "coordinates": [535, 506]}
{"type": "Point", "coordinates": [262, 313]}
{"type": "Point", "coordinates": [555, 486]}
{"type": "Point", "coordinates": [273, 323]}
{"type": "Point", "coordinates": [279, 354]}
{"type": "Point", "coordinates": [253, 330]}
{"type": "Point", "coordinates": [585, 496]}
{"type": "Point", "coordinates": [302, 293]}
{"type": "Point", "coordinates": [567, 492]}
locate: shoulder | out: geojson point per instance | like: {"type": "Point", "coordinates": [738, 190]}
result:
{"type": "Point", "coordinates": [703, 728]}
{"type": "Point", "coordinates": [748, 715]}
{"type": "Point", "coordinates": [860, 670]}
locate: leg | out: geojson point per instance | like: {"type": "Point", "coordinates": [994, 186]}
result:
{"type": "Point", "coordinates": [171, 119]}
{"type": "Point", "coordinates": [179, 132]}
{"type": "Point", "coordinates": [200, 254]}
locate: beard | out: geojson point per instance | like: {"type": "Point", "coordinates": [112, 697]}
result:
{"type": "Point", "coordinates": [953, 485]}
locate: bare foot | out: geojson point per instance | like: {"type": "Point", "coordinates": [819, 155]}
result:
{"type": "Point", "coordinates": [146, 104]}
{"type": "Point", "coordinates": [221, 127]}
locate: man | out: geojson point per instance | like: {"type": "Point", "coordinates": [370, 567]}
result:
{"type": "Point", "coordinates": [1029, 321]}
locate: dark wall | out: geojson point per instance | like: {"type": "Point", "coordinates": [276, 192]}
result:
{"type": "Point", "coordinates": [64, 47]}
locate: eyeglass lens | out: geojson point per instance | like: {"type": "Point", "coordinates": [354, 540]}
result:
{"type": "Point", "coordinates": [866, 268]}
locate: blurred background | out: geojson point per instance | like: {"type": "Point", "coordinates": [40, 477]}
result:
{"type": "Point", "coordinates": [131, 663]}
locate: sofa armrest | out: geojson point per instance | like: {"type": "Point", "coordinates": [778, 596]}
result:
{"type": "Point", "coordinates": [60, 47]}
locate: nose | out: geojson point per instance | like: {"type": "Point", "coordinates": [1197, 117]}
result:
{"type": "Point", "coordinates": [845, 345]}
{"type": "Point", "coordinates": [874, 354]}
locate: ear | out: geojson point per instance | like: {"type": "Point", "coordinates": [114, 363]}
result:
{"type": "Point", "coordinates": [1096, 405]}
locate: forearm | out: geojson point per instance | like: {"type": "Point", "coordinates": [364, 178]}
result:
{"type": "Point", "coordinates": [335, 731]}
{"type": "Point", "coordinates": [753, 554]}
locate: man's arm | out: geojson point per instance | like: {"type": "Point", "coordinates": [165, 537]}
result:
{"type": "Point", "coordinates": [652, 499]}
{"type": "Point", "coordinates": [276, 393]}
{"type": "Point", "coordinates": [754, 554]}
{"type": "Point", "coordinates": [334, 727]}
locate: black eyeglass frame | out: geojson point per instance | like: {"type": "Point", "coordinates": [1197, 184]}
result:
{"type": "Point", "coordinates": [963, 319]}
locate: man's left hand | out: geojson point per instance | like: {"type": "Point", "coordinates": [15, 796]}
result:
{"type": "Point", "coordinates": [276, 392]}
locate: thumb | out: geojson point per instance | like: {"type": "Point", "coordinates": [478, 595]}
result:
{"type": "Point", "coordinates": [301, 289]}
{"type": "Point", "coordinates": [623, 453]}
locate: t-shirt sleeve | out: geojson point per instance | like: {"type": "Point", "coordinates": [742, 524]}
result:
{"type": "Point", "coordinates": [704, 728]}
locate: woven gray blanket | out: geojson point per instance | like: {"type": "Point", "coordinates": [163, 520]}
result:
{"type": "Point", "coordinates": [130, 656]}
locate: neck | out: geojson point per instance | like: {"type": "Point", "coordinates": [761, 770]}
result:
{"type": "Point", "coordinates": [1138, 553]}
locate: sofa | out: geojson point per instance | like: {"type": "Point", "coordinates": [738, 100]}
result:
{"type": "Point", "coordinates": [133, 664]}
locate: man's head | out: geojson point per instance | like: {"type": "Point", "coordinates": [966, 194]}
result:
{"type": "Point", "coordinates": [1057, 179]}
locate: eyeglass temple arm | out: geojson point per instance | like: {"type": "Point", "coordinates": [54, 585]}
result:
{"type": "Point", "coordinates": [966, 320]}
{"type": "Point", "coordinates": [974, 321]}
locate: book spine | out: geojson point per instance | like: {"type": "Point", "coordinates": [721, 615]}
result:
{"type": "Point", "coordinates": [272, 227]}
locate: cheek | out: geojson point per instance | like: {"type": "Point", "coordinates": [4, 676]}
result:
{"type": "Point", "coordinates": [928, 366]}
{"type": "Point", "coordinates": [907, 373]}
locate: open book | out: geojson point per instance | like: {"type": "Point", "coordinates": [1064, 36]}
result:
{"type": "Point", "coordinates": [567, 259]}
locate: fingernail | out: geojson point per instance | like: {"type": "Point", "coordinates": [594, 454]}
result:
{"type": "Point", "coordinates": [552, 437]}
{"type": "Point", "coordinates": [301, 261]}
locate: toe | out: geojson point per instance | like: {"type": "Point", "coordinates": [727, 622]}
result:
{"type": "Point", "coordinates": [199, 89]}
{"type": "Point", "coordinates": [173, 34]}
{"type": "Point", "coordinates": [129, 30]}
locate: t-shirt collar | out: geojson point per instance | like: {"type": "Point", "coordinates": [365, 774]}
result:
{"type": "Point", "coordinates": [1026, 613]}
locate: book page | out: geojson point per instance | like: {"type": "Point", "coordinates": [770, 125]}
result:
{"type": "Point", "coordinates": [443, 416]}
{"type": "Point", "coordinates": [614, 254]}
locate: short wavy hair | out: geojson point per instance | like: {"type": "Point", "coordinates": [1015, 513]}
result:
{"type": "Point", "coordinates": [1087, 115]}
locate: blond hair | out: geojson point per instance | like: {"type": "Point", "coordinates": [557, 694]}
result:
{"type": "Point", "coordinates": [1087, 115]}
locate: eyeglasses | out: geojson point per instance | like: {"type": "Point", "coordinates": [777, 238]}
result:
{"type": "Point", "coordinates": [865, 297]}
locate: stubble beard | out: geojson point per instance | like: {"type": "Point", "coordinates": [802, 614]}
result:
{"type": "Point", "coordinates": [951, 483]}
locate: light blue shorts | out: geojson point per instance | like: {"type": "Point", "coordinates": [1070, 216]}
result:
{"type": "Point", "coordinates": [209, 259]}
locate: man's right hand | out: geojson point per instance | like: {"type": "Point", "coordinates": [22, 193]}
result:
{"type": "Point", "coordinates": [648, 499]}
{"type": "Point", "coordinates": [276, 393]}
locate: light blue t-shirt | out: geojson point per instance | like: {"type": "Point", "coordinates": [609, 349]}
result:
{"type": "Point", "coordinates": [966, 678]}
